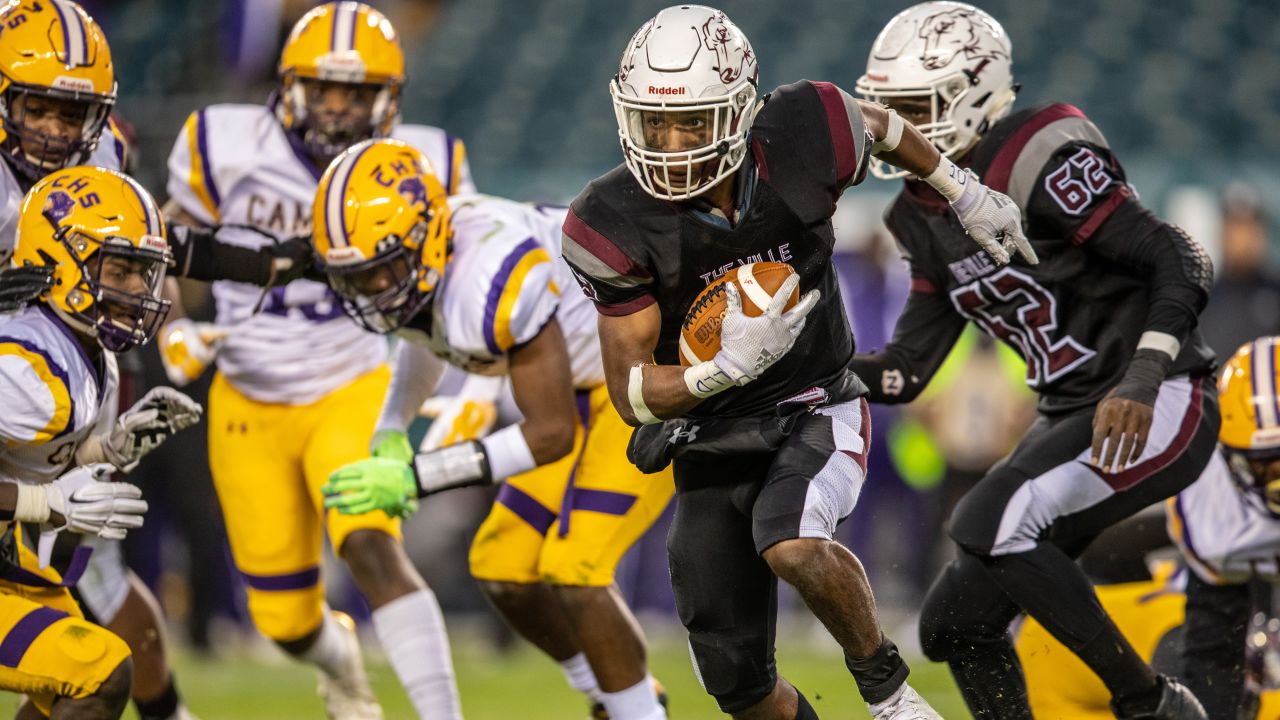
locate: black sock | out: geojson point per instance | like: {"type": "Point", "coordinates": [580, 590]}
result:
{"type": "Point", "coordinates": [880, 675]}
{"type": "Point", "coordinates": [804, 711]}
{"type": "Point", "coordinates": [1051, 588]}
{"type": "Point", "coordinates": [162, 707]}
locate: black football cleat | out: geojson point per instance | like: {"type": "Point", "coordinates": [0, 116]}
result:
{"type": "Point", "coordinates": [1176, 703]}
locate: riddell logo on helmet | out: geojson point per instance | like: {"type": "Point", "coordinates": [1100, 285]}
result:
{"type": "Point", "coordinates": [653, 90]}
{"type": "Point", "coordinates": [63, 82]}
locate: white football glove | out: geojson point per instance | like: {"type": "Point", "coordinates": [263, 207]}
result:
{"type": "Point", "coordinates": [187, 348]}
{"type": "Point", "coordinates": [469, 415]}
{"type": "Point", "coordinates": [90, 505]}
{"type": "Point", "coordinates": [992, 219]}
{"type": "Point", "coordinates": [160, 413]}
{"type": "Point", "coordinates": [750, 345]}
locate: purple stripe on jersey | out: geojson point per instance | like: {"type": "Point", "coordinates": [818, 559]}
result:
{"type": "Point", "coordinates": [58, 371]}
{"type": "Point", "coordinates": [1186, 531]}
{"type": "Point", "coordinates": [525, 247]}
{"type": "Point", "coordinates": [300, 580]}
{"type": "Point", "coordinates": [602, 248]}
{"type": "Point", "coordinates": [526, 508]}
{"type": "Point", "coordinates": [202, 143]}
{"type": "Point", "coordinates": [997, 177]}
{"type": "Point", "coordinates": [90, 366]}
{"type": "Point", "coordinates": [841, 131]}
{"type": "Point", "coordinates": [24, 632]}
{"type": "Point", "coordinates": [602, 501]}
{"type": "Point", "coordinates": [300, 152]}
{"type": "Point", "coordinates": [75, 570]}
{"type": "Point", "coordinates": [448, 154]}
{"type": "Point", "coordinates": [119, 148]}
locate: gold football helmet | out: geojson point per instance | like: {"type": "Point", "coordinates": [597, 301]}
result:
{"type": "Point", "coordinates": [345, 50]}
{"type": "Point", "coordinates": [1249, 398]}
{"type": "Point", "coordinates": [57, 85]}
{"type": "Point", "coordinates": [382, 230]}
{"type": "Point", "coordinates": [105, 238]}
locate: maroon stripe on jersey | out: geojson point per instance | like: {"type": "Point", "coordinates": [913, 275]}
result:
{"type": "Point", "coordinates": [997, 177]}
{"type": "Point", "coordinates": [602, 248]}
{"type": "Point", "coordinates": [1132, 476]}
{"type": "Point", "coordinates": [923, 285]}
{"type": "Point", "coordinates": [762, 167]}
{"type": "Point", "coordinates": [1100, 214]}
{"type": "Point", "coordinates": [841, 131]}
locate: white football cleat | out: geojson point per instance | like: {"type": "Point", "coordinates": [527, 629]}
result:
{"type": "Point", "coordinates": [348, 696]}
{"type": "Point", "coordinates": [906, 704]}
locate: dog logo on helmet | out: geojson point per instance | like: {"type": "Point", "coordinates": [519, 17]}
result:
{"type": "Point", "coordinates": [733, 57]}
{"type": "Point", "coordinates": [58, 206]}
{"type": "Point", "coordinates": [413, 191]}
{"type": "Point", "coordinates": [947, 35]}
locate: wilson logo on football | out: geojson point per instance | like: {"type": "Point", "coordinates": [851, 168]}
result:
{"type": "Point", "coordinates": [653, 90]}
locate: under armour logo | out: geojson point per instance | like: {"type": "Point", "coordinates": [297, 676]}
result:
{"type": "Point", "coordinates": [891, 382]}
{"type": "Point", "coordinates": [683, 435]}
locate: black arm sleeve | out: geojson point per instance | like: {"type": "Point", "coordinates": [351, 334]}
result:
{"type": "Point", "coordinates": [1178, 269]}
{"type": "Point", "coordinates": [198, 255]}
{"type": "Point", "coordinates": [926, 331]}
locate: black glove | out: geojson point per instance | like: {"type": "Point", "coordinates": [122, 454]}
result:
{"type": "Point", "coordinates": [293, 259]}
{"type": "Point", "coordinates": [21, 285]}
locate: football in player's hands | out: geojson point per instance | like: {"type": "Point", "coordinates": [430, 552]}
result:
{"type": "Point", "coordinates": [757, 282]}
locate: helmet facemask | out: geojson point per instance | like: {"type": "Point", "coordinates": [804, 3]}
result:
{"type": "Point", "coordinates": [1250, 469]}
{"type": "Point", "coordinates": [36, 153]}
{"type": "Point", "coordinates": [709, 136]}
{"type": "Point", "coordinates": [117, 298]}
{"type": "Point", "coordinates": [368, 110]}
{"type": "Point", "coordinates": [383, 293]}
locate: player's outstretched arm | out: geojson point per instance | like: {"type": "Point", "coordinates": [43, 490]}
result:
{"type": "Point", "coordinates": [923, 337]}
{"type": "Point", "coordinates": [990, 217]}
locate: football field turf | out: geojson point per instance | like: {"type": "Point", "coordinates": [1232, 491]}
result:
{"type": "Point", "coordinates": [521, 685]}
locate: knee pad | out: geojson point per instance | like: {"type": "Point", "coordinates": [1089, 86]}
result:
{"type": "Point", "coordinates": [734, 667]}
{"type": "Point", "coordinates": [284, 615]}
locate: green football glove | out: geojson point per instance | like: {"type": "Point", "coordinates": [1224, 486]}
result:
{"type": "Point", "coordinates": [393, 444]}
{"type": "Point", "coordinates": [375, 483]}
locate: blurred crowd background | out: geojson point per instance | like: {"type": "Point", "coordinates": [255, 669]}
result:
{"type": "Point", "coordinates": [1186, 91]}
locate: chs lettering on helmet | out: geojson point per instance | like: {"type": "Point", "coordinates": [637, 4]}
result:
{"type": "Point", "coordinates": [946, 67]}
{"type": "Point", "coordinates": [1249, 400]}
{"type": "Point", "coordinates": [104, 236]}
{"type": "Point", "coordinates": [684, 98]}
{"type": "Point", "coordinates": [57, 85]}
{"type": "Point", "coordinates": [345, 44]}
{"type": "Point", "coordinates": [382, 230]}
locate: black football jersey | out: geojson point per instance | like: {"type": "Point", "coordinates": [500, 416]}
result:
{"type": "Point", "coordinates": [630, 250]}
{"type": "Point", "coordinates": [1077, 316]}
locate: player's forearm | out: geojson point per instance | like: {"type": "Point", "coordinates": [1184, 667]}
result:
{"type": "Point", "coordinates": [415, 373]}
{"type": "Point", "coordinates": [651, 393]}
{"type": "Point", "coordinates": [899, 143]}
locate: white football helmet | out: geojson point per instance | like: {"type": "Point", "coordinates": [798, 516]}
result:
{"type": "Point", "coordinates": [951, 54]}
{"type": "Point", "coordinates": [692, 69]}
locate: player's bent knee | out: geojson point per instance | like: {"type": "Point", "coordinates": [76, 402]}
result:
{"type": "Point", "coordinates": [733, 667]}
{"type": "Point", "coordinates": [794, 559]}
{"type": "Point", "coordinates": [115, 689]}
{"type": "Point", "coordinates": [506, 594]}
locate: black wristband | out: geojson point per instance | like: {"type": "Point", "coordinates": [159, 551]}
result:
{"type": "Point", "coordinates": [879, 676]}
{"type": "Point", "coordinates": [199, 255]}
{"type": "Point", "coordinates": [1141, 382]}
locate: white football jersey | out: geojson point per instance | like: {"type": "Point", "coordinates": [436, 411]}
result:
{"type": "Point", "coordinates": [505, 280]}
{"type": "Point", "coordinates": [1226, 535]}
{"type": "Point", "coordinates": [52, 393]}
{"type": "Point", "coordinates": [109, 154]}
{"type": "Point", "coordinates": [236, 165]}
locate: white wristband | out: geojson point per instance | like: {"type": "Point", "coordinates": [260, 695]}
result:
{"type": "Point", "coordinates": [508, 452]}
{"type": "Point", "coordinates": [706, 379]}
{"type": "Point", "coordinates": [32, 504]}
{"type": "Point", "coordinates": [635, 396]}
{"type": "Point", "coordinates": [1164, 342]}
{"type": "Point", "coordinates": [948, 179]}
{"type": "Point", "coordinates": [892, 135]}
